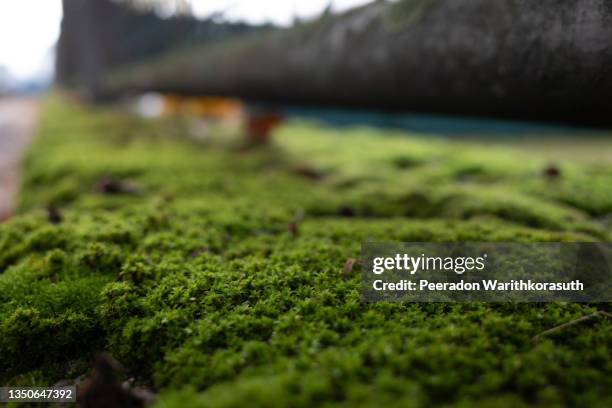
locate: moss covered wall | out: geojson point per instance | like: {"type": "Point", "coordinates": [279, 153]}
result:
{"type": "Point", "coordinates": [217, 277]}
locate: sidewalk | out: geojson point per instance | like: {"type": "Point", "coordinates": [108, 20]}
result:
{"type": "Point", "coordinates": [18, 118]}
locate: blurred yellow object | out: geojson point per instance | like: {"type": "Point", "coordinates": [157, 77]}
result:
{"type": "Point", "coordinates": [203, 106]}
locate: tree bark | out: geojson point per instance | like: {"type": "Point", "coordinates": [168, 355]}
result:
{"type": "Point", "coordinates": [527, 59]}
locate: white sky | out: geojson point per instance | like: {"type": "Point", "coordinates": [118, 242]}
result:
{"type": "Point", "coordinates": [30, 28]}
{"type": "Point", "coordinates": [277, 11]}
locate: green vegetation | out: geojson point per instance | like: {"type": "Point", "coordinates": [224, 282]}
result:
{"type": "Point", "coordinates": [216, 277]}
{"type": "Point", "coordinates": [405, 12]}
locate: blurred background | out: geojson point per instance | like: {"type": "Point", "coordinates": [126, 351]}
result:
{"type": "Point", "coordinates": [27, 54]}
{"type": "Point", "coordinates": [29, 63]}
{"type": "Point", "coordinates": [359, 60]}
{"type": "Point", "coordinates": [526, 61]}
{"type": "Point", "coordinates": [521, 71]}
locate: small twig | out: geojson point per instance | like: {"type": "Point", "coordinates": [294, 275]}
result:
{"type": "Point", "coordinates": [293, 226]}
{"type": "Point", "coordinates": [349, 265]}
{"type": "Point", "coordinates": [293, 229]}
{"type": "Point", "coordinates": [574, 322]}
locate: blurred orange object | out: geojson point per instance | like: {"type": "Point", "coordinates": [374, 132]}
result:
{"type": "Point", "coordinates": [203, 106]}
{"type": "Point", "coordinates": [261, 123]}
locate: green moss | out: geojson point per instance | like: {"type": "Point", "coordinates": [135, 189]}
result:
{"type": "Point", "coordinates": [197, 285]}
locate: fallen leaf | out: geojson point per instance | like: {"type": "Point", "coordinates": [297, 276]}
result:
{"type": "Point", "coordinates": [109, 185]}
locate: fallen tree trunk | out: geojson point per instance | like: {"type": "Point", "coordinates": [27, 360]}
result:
{"type": "Point", "coordinates": [99, 36]}
{"type": "Point", "coordinates": [528, 59]}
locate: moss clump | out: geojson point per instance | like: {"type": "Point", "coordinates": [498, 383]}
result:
{"type": "Point", "coordinates": [197, 285]}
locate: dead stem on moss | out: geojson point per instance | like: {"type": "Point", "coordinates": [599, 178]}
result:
{"type": "Point", "coordinates": [574, 322]}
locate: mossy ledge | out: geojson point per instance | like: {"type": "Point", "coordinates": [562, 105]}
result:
{"type": "Point", "coordinates": [195, 283]}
